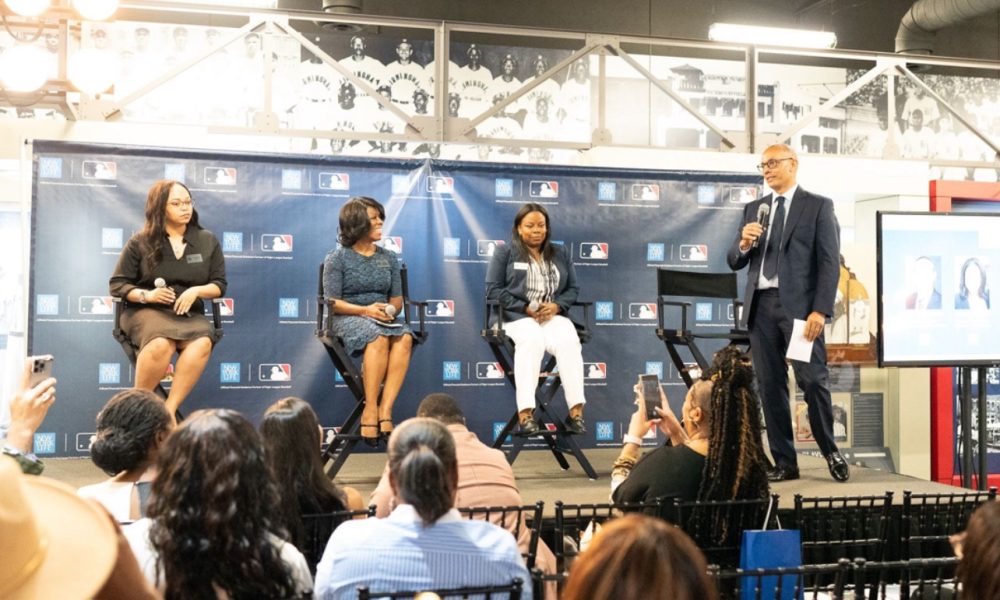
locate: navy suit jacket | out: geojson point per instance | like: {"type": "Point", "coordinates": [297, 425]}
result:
{"type": "Point", "coordinates": [809, 267]}
{"type": "Point", "coordinates": [507, 278]}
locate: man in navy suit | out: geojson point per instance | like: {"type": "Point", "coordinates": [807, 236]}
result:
{"type": "Point", "coordinates": [794, 260]}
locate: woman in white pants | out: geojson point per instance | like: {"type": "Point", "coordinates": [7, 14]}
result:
{"type": "Point", "coordinates": [535, 283]}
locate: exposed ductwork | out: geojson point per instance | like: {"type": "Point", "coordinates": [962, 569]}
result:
{"type": "Point", "coordinates": [341, 7]}
{"type": "Point", "coordinates": [923, 19]}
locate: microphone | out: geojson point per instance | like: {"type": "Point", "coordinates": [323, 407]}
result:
{"type": "Point", "coordinates": [159, 282]}
{"type": "Point", "coordinates": [534, 306]}
{"type": "Point", "coordinates": [390, 310]}
{"type": "Point", "coordinates": [763, 211]}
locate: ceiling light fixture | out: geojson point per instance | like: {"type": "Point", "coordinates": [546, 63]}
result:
{"type": "Point", "coordinates": [771, 36]}
{"type": "Point", "coordinates": [24, 68]}
{"type": "Point", "coordinates": [95, 10]}
{"type": "Point", "coordinates": [92, 71]}
{"type": "Point", "coordinates": [28, 8]}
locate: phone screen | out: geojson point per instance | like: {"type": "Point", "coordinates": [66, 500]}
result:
{"type": "Point", "coordinates": [650, 394]}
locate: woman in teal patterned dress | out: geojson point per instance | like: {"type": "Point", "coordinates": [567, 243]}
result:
{"type": "Point", "coordinates": [362, 280]}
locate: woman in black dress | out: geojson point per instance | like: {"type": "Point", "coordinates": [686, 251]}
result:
{"type": "Point", "coordinates": [164, 272]}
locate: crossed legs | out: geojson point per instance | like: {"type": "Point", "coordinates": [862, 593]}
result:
{"type": "Point", "coordinates": [154, 358]}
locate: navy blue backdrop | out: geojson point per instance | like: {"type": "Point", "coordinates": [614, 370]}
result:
{"type": "Point", "coordinates": [276, 217]}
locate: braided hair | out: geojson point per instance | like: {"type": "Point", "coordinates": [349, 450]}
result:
{"type": "Point", "coordinates": [735, 467]}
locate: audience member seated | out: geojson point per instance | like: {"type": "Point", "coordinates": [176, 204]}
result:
{"type": "Point", "coordinates": [535, 283]}
{"type": "Point", "coordinates": [363, 281]}
{"type": "Point", "coordinates": [715, 455]}
{"type": "Point", "coordinates": [130, 430]}
{"type": "Point", "coordinates": [55, 544]}
{"type": "Point", "coordinates": [291, 435]}
{"type": "Point", "coordinates": [28, 408]}
{"type": "Point", "coordinates": [979, 549]}
{"type": "Point", "coordinates": [424, 544]}
{"type": "Point", "coordinates": [211, 529]}
{"type": "Point", "coordinates": [638, 557]}
{"type": "Point", "coordinates": [485, 478]}
{"type": "Point", "coordinates": [164, 272]}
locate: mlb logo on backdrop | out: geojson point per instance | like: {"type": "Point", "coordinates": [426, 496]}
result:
{"type": "Point", "coordinates": [175, 171]}
{"type": "Point", "coordinates": [99, 169]}
{"type": "Point", "coordinates": [274, 372]}
{"type": "Point", "coordinates": [229, 372]}
{"type": "Point", "coordinates": [220, 175]}
{"type": "Point", "coordinates": [44, 443]}
{"type": "Point", "coordinates": [544, 189]}
{"type": "Point", "coordinates": [393, 244]}
{"type": "Point", "coordinates": [489, 370]}
{"type": "Point", "coordinates": [232, 241]}
{"type": "Point", "coordinates": [288, 308]}
{"type": "Point", "coordinates": [276, 242]}
{"type": "Point", "coordinates": [95, 305]}
{"type": "Point", "coordinates": [334, 181]}
{"type": "Point", "coordinates": [451, 247]}
{"type": "Point", "coordinates": [487, 247]}
{"type": "Point", "coordinates": [441, 185]}
{"type": "Point", "coordinates": [112, 238]}
{"type": "Point", "coordinates": [655, 252]}
{"type": "Point", "coordinates": [595, 370]}
{"type": "Point", "coordinates": [607, 191]}
{"type": "Point", "coordinates": [654, 367]}
{"type": "Point", "coordinates": [703, 311]}
{"type": "Point", "coordinates": [503, 188]}
{"type": "Point", "coordinates": [47, 304]}
{"type": "Point", "coordinates": [50, 167]}
{"type": "Point", "coordinates": [694, 252]}
{"type": "Point", "coordinates": [109, 373]}
{"type": "Point", "coordinates": [440, 308]}
{"type": "Point", "coordinates": [594, 250]}
{"type": "Point", "coordinates": [85, 440]}
{"type": "Point", "coordinates": [604, 431]}
{"type": "Point", "coordinates": [451, 370]}
{"type": "Point", "coordinates": [642, 310]}
{"type": "Point", "coordinates": [227, 308]}
{"type": "Point", "coordinates": [291, 179]}
{"type": "Point", "coordinates": [646, 192]}
{"type": "Point", "coordinates": [604, 311]}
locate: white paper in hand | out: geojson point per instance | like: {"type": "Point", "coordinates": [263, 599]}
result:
{"type": "Point", "coordinates": [799, 348]}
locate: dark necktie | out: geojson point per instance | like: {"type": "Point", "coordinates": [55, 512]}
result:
{"type": "Point", "coordinates": [774, 240]}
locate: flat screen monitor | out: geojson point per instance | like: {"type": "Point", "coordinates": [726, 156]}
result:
{"type": "Point", "coordinates": [936, 275]}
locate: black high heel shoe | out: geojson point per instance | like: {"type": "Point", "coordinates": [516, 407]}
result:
{"type": "Point", "coordinates": [371, 440]}
{"type": "Point", "coordinates": [382, 431]}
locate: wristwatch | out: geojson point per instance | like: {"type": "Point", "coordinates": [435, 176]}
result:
{"type": "Point", "coordinates": [29, 463]}
{"type": "Point", "coordinates": [142, 296]}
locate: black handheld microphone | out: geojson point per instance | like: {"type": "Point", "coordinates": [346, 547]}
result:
{"type": "Point", "coordinates": [763, 211]}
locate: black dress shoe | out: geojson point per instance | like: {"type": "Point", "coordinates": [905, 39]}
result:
{"type": "Point", "coordinates": [838, 466]}
{"type": "Point", "coordinates": [530, 426]}
{"type": "Point", "coordinates": [576, 424]}
{"type": "Point", "coordinates": [783, 473]}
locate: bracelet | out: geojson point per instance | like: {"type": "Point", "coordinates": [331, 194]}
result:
{"type": "Point", "coordinates": [631, 439]}
{"type": "Point", "coordinates": [142, 296]}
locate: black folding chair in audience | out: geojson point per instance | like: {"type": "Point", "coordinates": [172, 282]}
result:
{"type": "Point", "coordinates": [511, 591]}
{"type": "Point", "coordinates": [744, 514]}
{"type": "Point", "coordinates": [808, 582]}
{"type": "Point", "coordinates": [320, 526]}
{"type": "Point", "coordinates": [514, 519]}
{"type": "Point", "coordinates": [923, 578]}
{"type": "Point", "coordinates": [349, 435]}
{"type": "Point", "coordinates": [930, 519]}
{"type": "Point", "coordinates": [560, 440]}
{"type": "Point", "coordinates": [691, 285]}
{"type": "Point", "coordinates": [131, 350]}
{"type": "Point", "coordinates": [838, 527]}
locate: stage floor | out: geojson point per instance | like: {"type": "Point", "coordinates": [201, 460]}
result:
{"type": "Point", "coordinates": [540, 478]}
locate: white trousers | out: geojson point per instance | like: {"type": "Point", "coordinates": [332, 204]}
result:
{"type": "Point", "coordinates": [557, 336]}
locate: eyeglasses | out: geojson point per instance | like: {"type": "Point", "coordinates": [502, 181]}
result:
{"type": "Point", "coordinates": [772, 164]}
{"type": "Point", "coordinates": [181, 203]}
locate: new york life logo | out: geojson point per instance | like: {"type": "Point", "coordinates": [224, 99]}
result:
{"type": "Point", "coordinates": [229, 372]}
{"type": "Point", "coordinates": [112, 238]}
{"type": "Point", "coordinates": [175, 171]}
{"type": "Point", "coordinates": [654, 367]}
{"type": "Point", "coordinates": [232, 241]}
{"type": "Point", "coordinates": [50, 167]}
{"type": "Point", "coordinates": [451, 247]}
{"type": "Point", "coordinates": [604, 431]}
{"type": "Point", "coordinates": [656, 252]}
{"type": "Point", "coordinates": [703, 311]}
{"type": "Point", "coordinates": [47, 304]}
{"type": "Point", "coordinates": [604, 311]}
{"type": "Point", "coordinates": [503, 188]}
{"type": "Point", "coordinates": [274, 372]}
{"type": "Point", "coordinates": [451, 370]}
{"type": "Point", "coordinates": [109, 373]}
{"type": "Point", "coordinates": [443, 308]}
{"type": "Point", "coordinates": [44, 443]}
{"type": "Point", "coordinates": [607, 191]}
{"type": "Point", "coordinates": [288, 308]}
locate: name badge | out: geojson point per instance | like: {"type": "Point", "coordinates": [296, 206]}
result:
{"type": "Point", "coordinates": [520, 266]}
{"type": "Point", "coordinates": [382, 263]}
{"type": "Point", "coordinates": [194, 258]}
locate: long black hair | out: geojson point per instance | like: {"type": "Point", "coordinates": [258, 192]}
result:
{"type": "Point", "coordinates": [212, 508]}
{"type": "Point", "coordinates": [547, 249]}
{"type": "Point", "coordinates": [152, 237]}
{"type": "Point", "coordinates": [290, 431]}
{"type": "Point", "coordinates": [735, 467]}
{"type": "Point", "coordinates": [354, 223]}
{"type": "Point", "coordinates": [423, 467]}
{"type": "Point", "coordinates": [983, 291]}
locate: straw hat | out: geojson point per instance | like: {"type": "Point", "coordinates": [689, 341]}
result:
{"type": "Point", "coordinates": [54, 544]}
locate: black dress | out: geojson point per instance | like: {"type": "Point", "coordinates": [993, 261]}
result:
{"type": "Point", "coordinates": [668, 471]}
{"type": "Point", "coordinates": [202, 263]}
